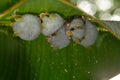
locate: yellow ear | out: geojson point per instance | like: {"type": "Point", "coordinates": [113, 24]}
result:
{"type": "Point", "coordinates": [17, 17]}
{"type": "Point", "coordinates": [52, 46]}
{"type": "Point", "coordinates": [53, 16]}
{"type": "Point", "coordinates": [15, 34]}
{"type": "Point", "coordinates": [42, 15]}
{"type": "Point", "coordinates": [11, 24]}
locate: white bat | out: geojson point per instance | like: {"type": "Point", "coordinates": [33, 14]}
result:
{"type": "Point", "coordinates": [28, 27]}
{"type": "Point", "coordinates": [51, 23]}
{"type": "Point", "coordinates": [59, 39]}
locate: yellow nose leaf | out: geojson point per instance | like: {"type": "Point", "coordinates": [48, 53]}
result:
{"type": "Point", "coordinates": [69, 33]}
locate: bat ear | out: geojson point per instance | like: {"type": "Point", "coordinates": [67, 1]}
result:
{"type": "Point", "coordinates": [83, 19]}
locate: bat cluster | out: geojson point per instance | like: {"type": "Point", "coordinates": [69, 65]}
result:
{"type": "Point", "coordinates": [53, 26]}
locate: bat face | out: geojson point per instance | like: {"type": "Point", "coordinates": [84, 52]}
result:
{"type": "Point", "coordinates": [51, 23]}
{"type": "Point", "coordinates": [28, 28]}
{"type": "Point", "coordinates": [59, 39]}
{"type": "Point", "coordinates": [77, 29]}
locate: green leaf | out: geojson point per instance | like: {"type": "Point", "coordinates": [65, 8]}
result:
{"type": "Point", "coordinates": [36, 60]}
{"type": "Point", "coordinates": [5, 4]}
{"type": "Point", "coordinates": [29, 6]}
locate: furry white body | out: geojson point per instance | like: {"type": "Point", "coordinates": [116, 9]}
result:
{"type": "Point", "coordinates": [91, 34]}
{"type": "Point", "coordinates": [60, 40]}
{"type": "Point", "coordinates": [28, 28]}
{"type": "Point", "coordinates": [78, 31]}
{"type": "Point", "coordinates": [51, 24]}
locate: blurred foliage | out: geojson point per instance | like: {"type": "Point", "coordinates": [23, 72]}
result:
{"type": "Point", "coordinates": [5, 4]}
{"type": "Point", "coordinates": [111, 10]}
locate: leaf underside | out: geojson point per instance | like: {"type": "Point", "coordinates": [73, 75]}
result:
{"type": "Point", "coordinates": [36, 60]}
{"type": "Point", "coordinates": [24, 60]}
{"type": "Point", "coordinates": [114, 26]}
